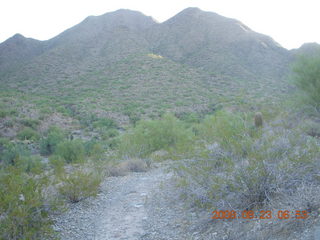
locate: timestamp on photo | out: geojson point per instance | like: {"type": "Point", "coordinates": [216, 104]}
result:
{"type": "Point", "coordinates": [263, 214]}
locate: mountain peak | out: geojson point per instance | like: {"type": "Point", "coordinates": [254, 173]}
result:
{"type": "Point", "coordinates": [191, 10]}
{"type": "Point", "coordinates": [18, 36]}
{"type": "Point", "coordinates": [125, 17]}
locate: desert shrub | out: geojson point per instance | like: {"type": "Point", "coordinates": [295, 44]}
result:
{"type": "Point", "coordinates": [71, 151]}
{"type": "Point", "coordinates": [80, 184]}
{"type": "Point", "coordinates": [113, 143]}
{"type": "Point", "coordinates": [134, 118]}
{"type": "Point", "coordinates": [131, 165]}
{"type": "Point", "coordinates": [134, 165]}
{"type": "Point", "coordinates": [277, 161]}
{"type": "Point", "coordinates": [32, 123]}
{"type": "Point", "coordinates": [228, 129]}
{"type": "Point", "coordinates": [86, 119]}
{"type": "Point", "coordinates": [307, 78]}
{"type": "Point", "coordinates": [131, 110]}
{"type": "Point", "coordinates": [94, 149]}
{"type": "Point", "coordinates": [28, 133]}
{"type": "Point", "coordinates": [310, 127]}
{"type": "Point", "coordinates": [31, 163]}
{"type": "Point", "coordinates": [24, 210]}
{"type": "Point", "coordinates": [188, 117]}
{"type": "Point", "coordinates": [9, 123]}
{"type": "Point", "coordinates": [3, 143]}
{"type": "Point", "coordinates": [167, 133]}
{"type": "Point", "coordinates": [12, 153]}
{"type": "Point", "coordinates": [105, 123]}
{"type": "Point", "coordinates": [3, 113]}
{"type": "Point", "coordinates": [49, 143]}
{"type": "Point", "coordinates": [7, 112]}
{"type": "Point", "coordinates": [109, 133]}
{"type": "Point", "coordinates": [19, 156]}
{"type": "Point", "coordinates": [57, 163]}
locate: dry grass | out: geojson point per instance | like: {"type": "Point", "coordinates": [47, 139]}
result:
{"type": "Point", "coordinates": [131, 165]}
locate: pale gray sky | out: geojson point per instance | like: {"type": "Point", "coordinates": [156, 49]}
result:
{"type": "Point", "coordinates": [289, 22]}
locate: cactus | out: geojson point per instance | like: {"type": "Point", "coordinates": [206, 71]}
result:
{"type": "Point", "coordinates": [258, 121]}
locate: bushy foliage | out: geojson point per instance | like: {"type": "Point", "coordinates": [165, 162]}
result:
{"type": "Point", "coordinates": [24, 210]}
{"type": "Point", "coordinates": [58, 163]}
{"type": "Point", "coordinates": [94, 149]}
{"type": "Point", "coordinates": [80, 184]}
{"type": "Point", "coordinates": [31, 163]}
{"type": "Point", "coordinates": [106, 123]}
{"type": "Point", "coordinates": [228, 129]}
{"type": "Point", "coordinates": [71, 151]}
{"type": "Point", "coordinates": [167, 133]}
{"type": "Point", "coordinates": [108, 134]}
{"type": "Point", "coordinates": [11, 153]}
{"type": "Point", "coordinates": [276, 162]}
{"type": "Point", "coordinates": [7, 112]}
{"type": "Point", "coordinates": [307, 77]}
{"type": "Point", "coordinates": [32, 123]}
{"type": "Point", "coordinates": [19, 156]}
{"type": "Point", "coordinates": [49, 143]}
{"type": "Point", "coordinates": [188, 117]}
{"type": "Point", "coordinates": [28, 133]}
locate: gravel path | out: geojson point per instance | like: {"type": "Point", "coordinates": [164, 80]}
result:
{"type": "Point", "coordinates": [123, 210]}
{"type": "Point", "coordinates": [146, 206]}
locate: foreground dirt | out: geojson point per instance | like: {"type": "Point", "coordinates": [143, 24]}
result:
{"type": "Point", "coordinates": [146, 206]}
{"type": "Point", "coordinates": [128, 207]}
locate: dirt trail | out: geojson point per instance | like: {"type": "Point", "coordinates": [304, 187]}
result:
{"type": "Point", "coordinates": [142, 206]}
{"type": "Point", "coordinates": [119, 211]}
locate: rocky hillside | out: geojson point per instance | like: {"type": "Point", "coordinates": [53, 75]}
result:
{"type": "Point", "coordinates": [219, 45]}
{"type": "Point", "coordinates": [125, 61]}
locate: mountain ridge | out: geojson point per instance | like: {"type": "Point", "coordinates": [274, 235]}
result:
{"type": "Point", "coordinates": [121, 59]}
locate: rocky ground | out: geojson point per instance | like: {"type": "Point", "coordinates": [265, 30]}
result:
{"type": "Point", "coordinates": [144, 206]}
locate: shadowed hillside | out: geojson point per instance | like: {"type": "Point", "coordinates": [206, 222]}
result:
{"type": "Point", "coordinates": [125, 60]}
{"type": "Point", "coordinates": [219, 45]}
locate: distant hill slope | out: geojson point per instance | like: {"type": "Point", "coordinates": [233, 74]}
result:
{"type": "Point", "coordinates": [220, 45]}
{"type": "Point", "coordinates": [17, 50]}
{"type": "Point", "coordinates": [124, 60]}
{"type": "Point", "coordinates": [306, 49]}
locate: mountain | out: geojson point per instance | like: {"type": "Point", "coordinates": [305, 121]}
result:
{"type": "Point", "coordinates": [89, 45]}
{"type": "Point", "coordinates": [220, 45]}
{"type": "Point", "coordinates": [124, 62]}
{"type": "Point", "coordinates": [17, 50]}
{"type": "Point", "coordinates": [306, 49]}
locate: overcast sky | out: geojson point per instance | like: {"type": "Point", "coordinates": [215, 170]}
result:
{"type": "Point", "coordinates": [290, 23]}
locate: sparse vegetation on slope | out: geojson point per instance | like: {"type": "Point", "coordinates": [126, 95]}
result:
{"type": "Point", "coordinates": [119, 92]}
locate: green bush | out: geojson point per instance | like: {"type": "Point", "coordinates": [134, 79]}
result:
{"type": "Point", "coordinates": [168, 133]}
{"type": "Point", "coordinates": [30, 163]}
{"type": "Point", "coordinates": [71, 151]}
{"type": "Point", "coordinates": [49, 144]}
{"type": "Point", "coordinates": [12, 153]}
{"type": "Point", "coordinates": [3, 113]}
{"type": "Point", "coordinates": [307, 78]}
{"type": "Point", "coordinates": [110, 133]}
{"type": "Point", "coordinates": [23, 207]}
{"type": "Point", "coordinates": [3, 143]}
{"type": "Point", "coordinates": [80, 184]}
{"type": "Point", "coordinates": [58, 164]}
{"type": "Point", "coordinates": [228, 129]}
{"type": "Point", "coordinates": [276, 163]}
{"type": "Point", "coordinates": [28, 133]}
{"type": "Point", "coordinates": [32, 123]}
{"type": "Point", "coordinates": [106, 123]}
{"type": "Point", "coordinates": [94, 149]}
{"type": "Point", "coordinates": [7, 112]}
{"type": "Point", "coordinates": [188, 117]}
